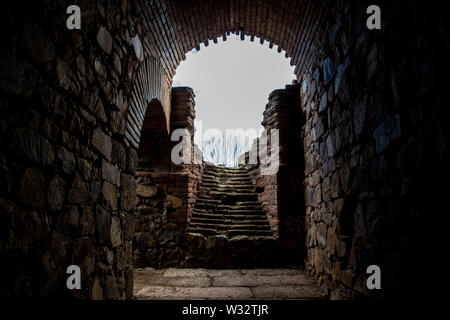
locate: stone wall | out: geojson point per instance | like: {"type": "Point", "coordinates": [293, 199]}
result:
{"type": "Point", "coordinates": [161, 219]}
{"type": "Point", "coordinates": [373, 143]}
{"type": "Point", "coordinates": [154, 147]}
{"type": "Point", "coordinates": [73, 106]}
{"type": "Point", "coordinates": [165, 193]}
{"type": "Point", "coordinates": [67, 194]}
{"type": "Point", "coordinates": [279, 192]}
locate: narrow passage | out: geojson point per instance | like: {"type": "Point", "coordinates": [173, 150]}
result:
{"type": "Point", "coordinates": [229, 284]}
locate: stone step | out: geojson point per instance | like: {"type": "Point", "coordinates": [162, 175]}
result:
{"type": "Point", "coordinates": [226, 185]}
{"type": "Point", "coordinates": [238, 203]}
{"type": "Point", "coordinates": [225, 172]}
{"type": "Point", "coordinates": [229, 195]}
{"type": "Point", "coordinates": [227, 203]}
{"type": "Point", "coordinates": [233, 182]}
{"type": "Point", "coordinates": [224, 169]}
{"type": "Point", "coordinates": [226, 190]}
{"type": "Point", "coordinates": [235, 196]}
{"type": "Point", "coordinates": [240, 232]}
{"type": "Point", "coordinates": [231, 233]}
{"type": "Point", "coordinates": [204, 207]}
{"type": "Point", "coordinates": [238, 178]}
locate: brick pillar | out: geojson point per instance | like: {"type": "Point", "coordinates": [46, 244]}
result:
{"type": "Point", "coordinates": [182, 116]}
{"type": "Point", "coordinates": [283, 113]}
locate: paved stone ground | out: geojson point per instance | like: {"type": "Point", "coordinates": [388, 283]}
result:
{"type": "Point", "coordinates": [211, 284]}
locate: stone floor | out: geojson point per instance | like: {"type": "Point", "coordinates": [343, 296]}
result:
{"type": "Point", "coordinates": [200, 284]}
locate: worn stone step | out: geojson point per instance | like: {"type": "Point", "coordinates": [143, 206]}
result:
{"type": "Point", "coordinates": [230, 215]}
{"type": "Point", "coordinates": [225, 226]}
{"type": "Point", "coordinates": [203, 231]}
{"type": "Point", "coordinates": [250, 211]}
{"type": "Point", "coordinates": [238, 203]}
{"type": "Point", "coordinates": [195, 219]}
{"type": "Point", "coordinates": [229, 221]}
{"type": "Point", "coordinates": [242, 195]}
{"type": "Point", "coordinates": [234, 193]}
{"type": "Point", "coordinates": [225, 172]}
{"type": "Point", "coordinates": [226, 190]}
{"type": "Point", "coordinates": [231, 195]}
{"type": "Point", "coordinates": [238, 232]}
{"type": "Point", "coordinates": [213, 177]}
{"type": "Point", "coordinates": [233, 182]}
{"type": "Point", "coordinates": [226, 185]}
{"type": "Point", "coordinates": [230, 233]}
{"type": "Point", "coordinates": [224, 169]}
{"type": "Point", "coordinates": [227, 203]}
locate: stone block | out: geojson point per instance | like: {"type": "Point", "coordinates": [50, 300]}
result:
{"type": "Point", "coordinates": [118, 155]}
{"type": "Point", "coordinates": [116, 234]}
{"type": "Point", "coordinates": [97, 290]}
{"type": "Point", "coordinates": [117, 121]}
{"type": "Point", "coordinates": [127, 192]}
{"type": "Point", "coordinates": [70, 218]}
{"type": "Point", "coordinates": [173, 202]}
{"type": "Point", "coordinates": [78, 192]}
{"type": "Point", "coordinates": [110, 173]}
{"type": "Point", "coordinates": [18, 77]}
{"type": "Point", "coordinates": [336, 189]}
{"type": "Point", "coordinates": [146, 191]}
{"type": "Point", "coordinates": [32, 188]}
{"type": "Point", "coordinates": [104, 40]}
{"type": "Point", "coordinates": [112, 290]}
{"type": "Point", "coordinates": [323, 102]}
{"type": "Point", "coordinates": [87, 222]}
{"type": "Point", "coordinates": [102, 142]}
{"type": "Point", "coordinates": [331, 150]}
{"type": "Point", "coordinates": [84, 256]}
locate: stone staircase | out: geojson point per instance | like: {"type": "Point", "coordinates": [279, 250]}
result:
{"type": "Point", "coordinates": [227, 204]}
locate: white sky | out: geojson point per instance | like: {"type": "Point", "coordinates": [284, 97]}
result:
{"type": "Point", "coordinates": [232, 81]}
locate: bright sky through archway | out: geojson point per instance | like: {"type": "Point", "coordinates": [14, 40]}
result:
{"type": "Point", "coordinates": [232, 81]}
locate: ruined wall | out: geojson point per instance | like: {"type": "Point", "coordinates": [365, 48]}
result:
{"type": "Point", "coordinates": [165, 194]}
{"type": "Point", "coordinates": [152, 83]}
{"type": "Point", "coordinates": [154, 147]}
{"type": "Point", "coordinates": [67, 194]}
{"type": "Point", "coordinates": [161, 219]}
{"type": "Point", "coordinates": [373, 142]}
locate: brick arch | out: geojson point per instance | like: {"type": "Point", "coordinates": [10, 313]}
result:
{"type": "Point", "coordinates": [154, 145]}
{"type": "Point", "coordinates": [170, 29]}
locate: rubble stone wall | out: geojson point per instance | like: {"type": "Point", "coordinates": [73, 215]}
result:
{"type": "Point", "coordinates": [73, 103]}
{"type": "Point", "coordinates": [279, 191]}
{"type": "Point", "coordinates": [166, 192]}
{"type": "Point", "coordinates": [67, 173]}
